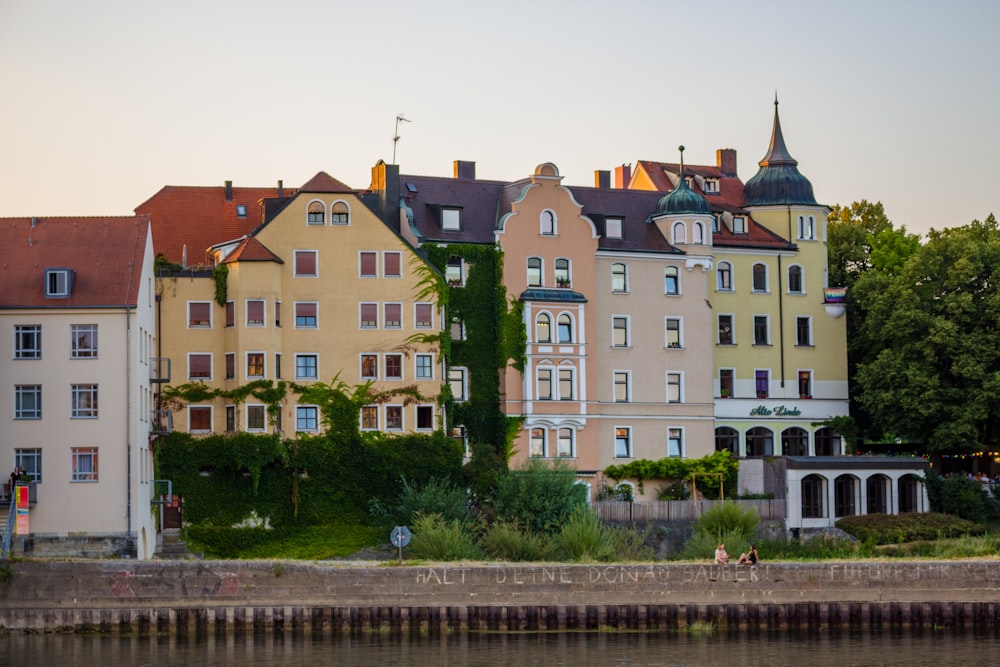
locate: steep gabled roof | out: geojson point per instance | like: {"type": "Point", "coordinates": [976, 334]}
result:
{"type": "Point", "coordinates": [105, 255]}
{"type": "Point", "coordinates": [193, 218]}
{"type": "Point", "coordinates": [426, 196]}
{"type": "Point", "coordinates": [325, 183]}
{"type": "Point", "coordinates": [251, 250]}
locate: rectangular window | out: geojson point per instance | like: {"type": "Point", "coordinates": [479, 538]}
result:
{"type": "Point", "coordinates": [393, 367]}
{"type": "Point", "coordinates": [671, 280]}
{"type": "Point", "coordinates": [394, 417]}
{"type": "Point", "coordinates": [457, 383]}
{"type": "Point", "coordinates": [454, 272]}
{"type": "Point", "coordinates": [538, 449]}
{"type": "Point", "coordinates": [619, 278]}
{"type": "Point", "coordinates": [613, 227]}
{"type": "Point", "coordinates": [199, 366]}
{"type": "Point", "coordinates": [425, 417]}
{"type": "Point", "coordinates": [369, 418]}
{"type": "Point", "coordinates": [369, 366]}
{"type": "Point", "coordinates": [805, 384]}
{"type": "Point", "coordinates": [230, 418]}
{"type": "Point", "coordinates": [675, 442]}
{"type": "Point", "coordinates": [565, 384]}
{"type": "Point", "coordinates": [739, 224]}
{"type": "Point", "coordinates": [368, 260]}
{"type": "Point", "coordinates": [28, 341]}
{"type": "Point", "coordinates": [369, 316]}
{"type": "Point", "coordinates": [424, 366]}
{"type": "Point", "coordinates": [199, 419]}
{"type": "Point", "coordinates": [306, 418]}
{"type": "Point", "coordinates": [457, 329]}
{"type": "Point", "coordinates": [565, 444]}
{"type": "Point", "coordinates": [306, 367]}
{"type": "Point", "coordinates": [423, 315]}
{"type": "Point", "coordinates": [760, 334]}
{"type": "Point", "coordinates": [306, 263]}
{"type": "Point", "coordinates": [199, 314]}
{"type": "Point", "coordinates": [544, 376]}
{"type": "Point", "coordinates": [83, 401]}
{"type": "Point", "coordinates": [277, 313]}
{"type": "Point", "coordinates": [726, 382]}
{"type": "Point", "coordinates": [57, 282]}
{"type": "Point", "coordinates": [230, 313]}
{"type": "Point", "coordinates": [803, 331]}
{"type": "Point", "coordinates": [256, 417]}
{"type": "Point", "coordinates": [277, 365]}
{"type": "Point", "coordinates": [83, 341]}
{"type": "Point", "coordinates": [393, 315]}
{"type": "Point", "coordinates": [623, 442]}
{"type": "Point", "coordinates": [761, 383]}
{"type": "Point", "coordinates": [619, 331]}
{"type": "Point", "coordinates": [621, 379]}
{"type": "Point", "coordinates": [673, 332]}
{"type": "Point", "coordinates": [725, 329]}
{"type": "Point", "coordinates": [84, 464]}
{"type": "Point", "coordinates": [255, 312]}
{"type": "Point", "coordinates": [451, 219]}
{"type": "Point", "coordinates": [31, 461]}
{"type": "Point", "coordinates": [674, 393]}
{"type": "Point", "coordinates": [28, 401]}
{"type": "Point", "coordinates": [392, 264]}
{"type": "Point", "coordinates": [255, 364]}
{"type": "Point", "coordinates": [305, 314]}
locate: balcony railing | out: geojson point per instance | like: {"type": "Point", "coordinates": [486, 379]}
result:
{"type": "Point", "coordinates": [159, 369]}
{"type": "Point", "coordinates": [5, 494]}
{"type": "Point", "coordinates": [161, 422]}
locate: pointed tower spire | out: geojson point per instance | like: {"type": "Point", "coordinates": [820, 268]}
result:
{"type": "Point", "coordinates": [778, 181]}
{"type": "Point", "coordinates": [777, 154]}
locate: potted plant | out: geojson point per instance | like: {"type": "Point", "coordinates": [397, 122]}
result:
{"type": "Point", "coordinates": [562, 282]}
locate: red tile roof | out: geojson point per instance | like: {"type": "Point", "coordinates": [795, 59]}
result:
{"type": "Point", "coordinates": [324, 182]}
{"type": "Point", "coordinates": [105, 255]}
{"type": "Point", "coordinates": [195, 218]}
{"type": "Point", "coordinates": [252, 250]}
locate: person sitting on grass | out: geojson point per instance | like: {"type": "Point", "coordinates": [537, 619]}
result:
{"type": "Point", "coordinates": [750, 557]}
{"type": "Point", "coordinates": [721, 557]}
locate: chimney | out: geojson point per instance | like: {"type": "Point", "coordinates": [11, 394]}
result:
{"type": "Point", "coordinates": [725, 160]}
{"type": "Point", "coordinates": [229, 191]}
{"type": "Point", "coordinates": [602, 179]}
{"type": "Point", "coordinates": [385, 184]}
{"type": "Point", "coordinates": [281, 188]}
{"type": "Point", "coordinates": [465, 169]}
{"type": "Point", "coordinates": [623, 176]}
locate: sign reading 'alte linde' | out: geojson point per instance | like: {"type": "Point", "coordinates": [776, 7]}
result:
{"type": "Point", "coordinates": [779, 411]}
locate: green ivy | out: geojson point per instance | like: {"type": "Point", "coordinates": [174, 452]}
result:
{"type": "Point", "coordinates": [219, 275]}
{"type": "Point", "coordinates": [702, 470]}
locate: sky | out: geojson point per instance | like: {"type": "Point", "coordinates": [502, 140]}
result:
{"type": "Point", "coordinates": [104, 102]}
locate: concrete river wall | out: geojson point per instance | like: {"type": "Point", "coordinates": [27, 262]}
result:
{"type": "Point", "coordinates": [202, 597]}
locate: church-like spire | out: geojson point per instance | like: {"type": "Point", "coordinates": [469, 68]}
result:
{"type": "Point", "coordinates": [777, 154]}
{"type": "Point", "coordinates": [778, 181]}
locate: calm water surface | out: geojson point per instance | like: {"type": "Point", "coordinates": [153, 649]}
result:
{"type": "Point", "coordinates": [942, 649]}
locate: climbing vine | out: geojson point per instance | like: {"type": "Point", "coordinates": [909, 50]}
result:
{"type": "Point", "coordinates": [220, 274]}
{"type": "Point", "coordinates": [672, 469]}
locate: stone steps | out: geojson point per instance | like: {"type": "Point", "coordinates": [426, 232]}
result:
{"type": "Point", "coordinates": [170, 546]}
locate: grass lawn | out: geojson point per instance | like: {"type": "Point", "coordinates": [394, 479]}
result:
{"type": "Point", "coordinates": [303, 543]}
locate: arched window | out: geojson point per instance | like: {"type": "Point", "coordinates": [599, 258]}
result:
{"type": "Point", "coordinates": [724, 276]}
{"type": "Point", "coordinates": [534, 272]}
{"type": "Point", "coordinates": [698, 233]}
{"type": "Point", "coordinates": [845, 491]}
{"type": "Point", "coordinates": [619, 282]}
{"type": "Point", "coordinates": [795, 280]}
{"type": "Point", "coordinates": [760, 442]}
{"type": "Point", "coordinates": [759, 278]}
{"type": "Point", "coordinates": [340, 213]}
{"type": "Point", "coordinates": [828, 442]}
{"type": "Point", "coordinates": [910, 497]}
{"type": "Point", "coordinates": [543, 328]}
{"type": "Point", "coordinates": [548, 222]}
{"type": "Point", "coordinates": [562, 272]}
{"type": "Point", "coordinates": [727, 440]}
{"type": "Point", "coordinates": [538, 449]}
{"type": "Point", "coordinates": [680, 233]}
{"type": "Point", "coordinates": [807, 227]}
{"type": "Point", "coordinates": [671, 280]}
{"type": "Point", "coordinates": [565, 328]}
{"type": "Point", "coordinates": [813, 495]}
{"type": "Point", "coordinates": [794, 442]}
{"type": "Point", "coordinates": [878, 494]}
{"type": "Point", "coordinates": [316, 213]}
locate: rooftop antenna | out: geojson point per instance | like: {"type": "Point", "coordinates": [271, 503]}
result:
{"type": "Point", "coordinates": [395, 138]}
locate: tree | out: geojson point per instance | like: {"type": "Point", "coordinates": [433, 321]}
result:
{"type": "Point", "coordinates": [931, 371]}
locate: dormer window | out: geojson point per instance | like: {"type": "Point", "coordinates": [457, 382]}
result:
{"type": "Point", "coordinates": [58, 283]}
{"type": "Point", "coordinates": [739, 224]}
{"type": "Point", "coordinates": [711, 186]}
{"type": "Point", "coordinates": [613, 227]}
{"type": "Point", "coordinates": [451, 219]}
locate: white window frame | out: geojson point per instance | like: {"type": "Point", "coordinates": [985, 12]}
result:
{"type": "Point", "coordinates": [767, 329]}
{"type": "Point", "coordinates": [571, 371]}
{"type": "Point", "coordinates": [679, 431]}
{"type": "Point", "coordinates": [58, 282]}
{"type": "Point", "coordinates": [246, 365]}
{"type": "Point", "coordinates": [361, 366]}
{"type": "Point", "coordinates": [614, 227]}
{"type": "Point", "coordinates": [85, 473]}
{"type": "Point", "coordinates": [32, 333]}
{"type": "Point", "coordinates": [677, 280]}
{"type": "Point", "coordinates": [211, 315]}
{"type": "Point", "coordinates": [809, 331]}
{"type": "Point", "coordinates": [369, 410]}
{"type": "Point", "coordinates": [79, 350]}
{"type": "Point", "coordinates": [423, 407]}
{"type": "Point", "coordinates": [628, 453]}
{"type": "Point", "coordinates": [309, 214]}
{"type": "Point", "coordinates": [302, 412]}
{"type": "Point", "coordinates": [295, 314]}
{"type": "Point", "coordinates": [295, 263]}
{"type": "Point", "coordinates": [539, 447]}
{"type": "Point", "coordinates": [417, 322]}
{"type": "Point", "coordinates": [385, 367]}
{"type": "Point", "coordinates": [201, 408]}
{"type": "Point", "coordinates": [451, 219]}
{"type": "Point", "coordinates": [627, 329]}
{"type": "Point", "coordinates": [307, 355]}
{"type": "Point", "coordinates": [529, 271]}
{"type": "Point", "coordinates": [386, 253]}
{"type": "Point", "coordinates": [361, 255]}
{"type": "Point", "coordinates": [459, 374]}
{"type": "Point", "coordinates": [252, 408]}
{"type": "Point", "coordinates": [548, 369]}
{"type": "Point", "coordinates": [78, 391]}
{"type": "Point", "coordinates": [548, 223]}
{"type": "Point", "coordinates": [361, 320]}
{"type": "Point", "coordinates": [263, 313]}
{"type": "Point", "coordinates": [753, 279]}
{"type": "Point", "coordinates": [402, 417]}
{"type": "Point", "coordinates": [724, 277]}
{"type": "Point", "coordinates": [802, 279]}
{"type": "Point", "coordinates": [211, 367]}
{"type": "Point", "coordinates": [621, 379]}
{"type": "Point", "coordinates": [21, 392]}
{"type": "Point", "coordinates": [392, 324]}
{"type": "Point", "coordinates": [679, 343]}
{"type": "Point", "coordinates": [679, 375]}
{"type": "Point", "coordinates": [31, 459]}
{"type": "Point", "coordinates": [624, 278]}
{"type": "Point", "coordinates": [562, 451]}
{"type": "Point", "coordinates": [429, 358]}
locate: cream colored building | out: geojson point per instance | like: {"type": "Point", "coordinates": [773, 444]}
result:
{"type": "Point", "coordinates": [78, 325]}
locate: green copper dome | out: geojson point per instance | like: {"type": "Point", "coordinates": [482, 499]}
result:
{"type": "Point", "coordinates": [778, 180]}
{"type": "Point", "coordinates": [682, 200]}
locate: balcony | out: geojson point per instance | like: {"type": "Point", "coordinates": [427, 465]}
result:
{"type": "Point", "coordinates": [5, 494]}
{"type": "Point", "coordinates": [159, 369]}
{"type": "Point", "coordinates": [835, 301]}
{"type": "Point", "coordinates": [161, 422]}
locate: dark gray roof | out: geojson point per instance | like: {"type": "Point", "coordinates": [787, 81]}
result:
{"type": "Point", "coordinates": [778, 180]}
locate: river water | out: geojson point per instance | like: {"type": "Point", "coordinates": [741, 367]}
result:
{"type": "Point", "coordinates": [939, 648]}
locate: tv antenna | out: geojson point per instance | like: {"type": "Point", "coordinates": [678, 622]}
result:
{"type": "Point", "coordinates": [395, 137]}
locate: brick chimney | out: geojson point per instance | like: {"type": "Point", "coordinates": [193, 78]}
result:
{"type": "Point", "coordinates": [465, 169]}
{"type": "Point", "coordinates": [229, 191]}
{"type": "Point", "coordinates": [602, 179]}
{"type": "Point", "coordinates": [725, 160]}
{"type": "Point", "coordinates": [623, 174]}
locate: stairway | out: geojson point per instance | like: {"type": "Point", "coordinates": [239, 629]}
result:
{"type": "Point", "coordinates": [169, 546]}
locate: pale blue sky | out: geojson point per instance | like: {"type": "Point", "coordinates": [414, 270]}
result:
{"type": "Point", "coordinates": [106, 101]}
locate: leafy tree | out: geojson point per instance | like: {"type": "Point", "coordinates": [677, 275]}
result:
{"type": "Point", "coordinates": [960, 496]}
{"type": "Point", "coordinates": [931, 370]}
{"type": "Point", "coordinates": [539, 496]}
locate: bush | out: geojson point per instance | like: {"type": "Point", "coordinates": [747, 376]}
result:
{"type": "Point", "coordinates": [539, 496]}
{"type": "Point", "coordinates": [728, 518]}
{"type": "Point", "coordinates": [509, 541]}
{"type": "Point", "coordinates": [959, 495]}
{"type": "Point", "coordinates": [676, 490]}
{"type": "Point", "coordinates": [906, 527]}
{"type": "Point", "coordinates": [437, 538]}
{"type": "Point", "coordinates": [630, 544]}
{"type": "Point", "coordinates": [701, 545]}
{"type": "Point", "coordinates": [437, 496]}
{"type": "Point", "coordinates": [584, 538]}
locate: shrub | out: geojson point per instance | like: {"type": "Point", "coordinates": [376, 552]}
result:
{"type": "Point", "coordinates": [630, 544]}
{"type": "Point", "coordinates": [584, 538]}
{"type": "Point", "coordinates": [959, 495]}
{"type": "Point", "coordinates": [539, 496]}
{"type": "Point", "coordinates": [676, 490]}
{"type": "Point", "coordinates": [728, 518]}
{"type": "Point", "coordinates": [906, 527]}
{"type": "Point", "coordinates": [437, 538]}
{"type": "Point", "coordinates": [509, 541]}
{"type": "Point", "coordinates": [437, 496]}
{"type": "Point", "coordinates": [701, 545]}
